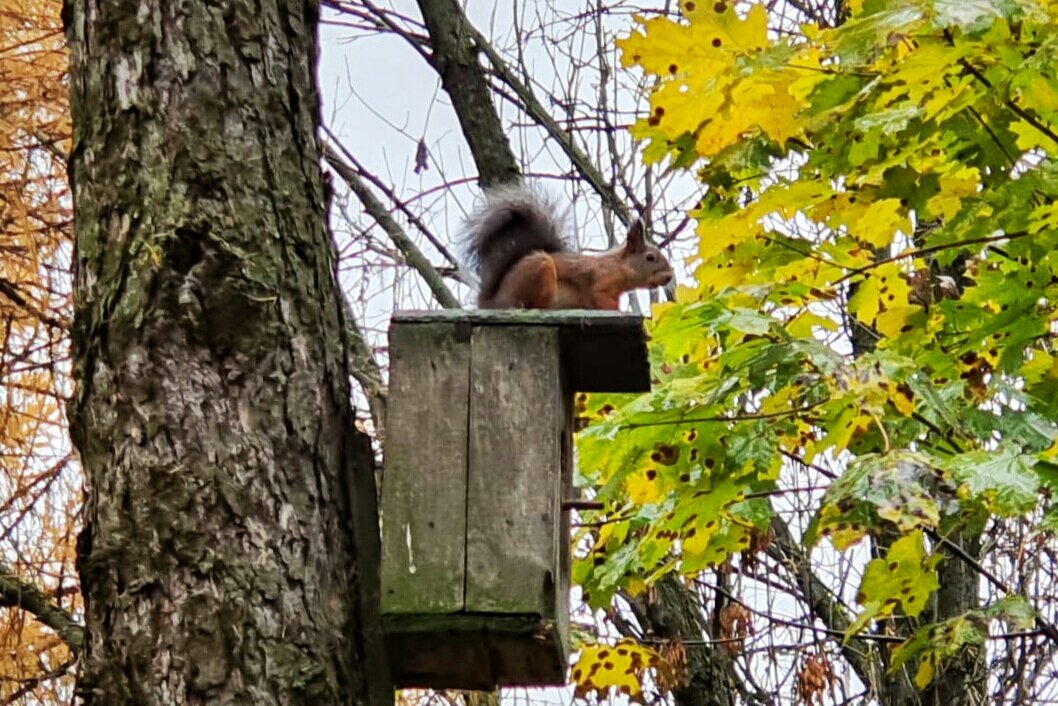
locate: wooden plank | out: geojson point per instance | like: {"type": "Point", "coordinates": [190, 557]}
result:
{"type": "Point", "coordinates": [603, 351]}
{"type": "Point", "coordinates": [474, 651]}
{"type": "Point", "coordinates": [513, 484]}
{"type": "Point", "coordinates": [606, 359]}
{"type": "Point", "coordinates": [424, 474]}
{"type": "Point", "coordinates": [565, 550]}
{"type": "Point", "coordinates": [439, 651]}
{"type": "Point", "coordinates": [579, 318]}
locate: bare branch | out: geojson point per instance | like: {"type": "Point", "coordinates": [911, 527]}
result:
{"type": "Point", "coordinates": [17, 593]}
{"type": "Point", "coordinates": [402, 206]}
{"type": "Point", "coordinates": [29, 685]}
{"type": "Point", "coordinates": [455, 58]}
{"type": "Point", "coordinates": [822, 603]}
{"type": "Point", "coordinates": [412, 255]}
{"type": "Point", "coordinates": [581, 161]}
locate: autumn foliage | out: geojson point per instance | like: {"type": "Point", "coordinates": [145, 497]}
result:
{"type": "Point", "coordinates": [866, 359]}
{"type": "Point", "coordinates": [40, 494]}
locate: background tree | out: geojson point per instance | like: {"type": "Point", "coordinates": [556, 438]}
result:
{"type": "Point", "coordinates": [871, 308]}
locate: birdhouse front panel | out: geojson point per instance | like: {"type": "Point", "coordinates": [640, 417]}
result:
{"type": "Point", "coordinates": [478, 454]}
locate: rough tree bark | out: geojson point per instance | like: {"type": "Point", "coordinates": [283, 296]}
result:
{"type": "Point", "coordinates": [962, 680]}
{"type": "Point", "coordinates": [229, 554]}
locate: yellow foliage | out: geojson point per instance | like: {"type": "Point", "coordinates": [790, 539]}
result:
{"type": "Point", "coordinates": [953, 188]}
{"type": "Point", "coordinates": [701, 58]}
{"type": "Point", "coordinates": [881, 221]}
{"type": "Point", "coordinates": [621, 668]}
{"type": "Point", "coordinates": [40, 488]}
{"type": "Point", "coordinates": [647, 485]}
{"type": "Point", "coordinates": [1029, 137]}
{"type": "Point", "coordinates": [884, 289]}
{"type": "Point", "coordinates": [28, 651]}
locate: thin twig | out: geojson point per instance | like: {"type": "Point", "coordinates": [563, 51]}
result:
{"type": "Point", "coordinates": [30, 684]}
{"type": "Point", "coordinates": [1045, 627]}
{"type": "Point", "coordinates": [411, 252]}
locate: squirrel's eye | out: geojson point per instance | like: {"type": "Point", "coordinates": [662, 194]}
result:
{"type": "Point", "coordinates": [651, 257]}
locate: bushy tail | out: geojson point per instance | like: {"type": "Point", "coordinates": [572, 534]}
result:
{"type": "Point", "coordinates": [514, 222]}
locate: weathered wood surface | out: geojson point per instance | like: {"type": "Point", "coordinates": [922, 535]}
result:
{"type": "Point", "coordinates": [513, 487]}
{"type": "Point", "coordinates": [468, 651]}
{"type": "Point", "coordinates": [424, 479]}
{"type": "Point", "coordinates": [565, 555]}
{"type": "Point", "coordinates": [554, 318]}
{"type": "Point", "coordinates": [479, 459]}
{"type": "Point", "coordinates": [602, 351]}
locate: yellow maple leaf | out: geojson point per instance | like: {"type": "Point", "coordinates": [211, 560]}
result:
{"type": "Point", "coordinates": [621, 667]}
{"type": "Point", "coordinates": [717, 235]}
{"type": "Point", "coordinates": [1030, 137]}
{"type": "Point", "coordinates": [884, 288]}
{"type": "Point", "coordinates": [806, 323]}
{"type": "Point", "coordinates": [789, 199]}
{"type": "Point", "coordinates": [851, 422]}
{"type": "Point", "coordinates": [679, 107]}
{"type": "Point", "coordinates": [881, 221]}
{"type": "Point", "coordinates": [864, 303]}
{"type": "Point", "coordinates": [895, 320]}
{"type": "Point", "coordinates": [950, 99]}
{"type": "Point", "coordinates": [1044, 217]}
{"type": "Point", "coordinates": [927, 668]}
{"type": "Point", "coordinates": [725, 29]}
{"type": "Point", "coordinates": [761, 102]}
{"type": "Point", "coordinates": [664, 48]}
{"type": "Point", "coordinates": [810, 73]}
{"type": "Point", "coordinates": [1040, 365]}
{"type": "Point", "coordinates": [842, 534]}
{"type": "Point", "coordinates": [721, 273]}
{"type": "Point", "coordinates": [1040, 96]}
{"type": "Point", "coordinates": [955, 187]}
{"type": "Point", "coordinates": [646, 485]}
{"type": "Point", "coordinates": [766, 102]}
{"type": "Point", "coordinates": [700, 92]}
{"type": "Point", "coordinates": [921, 72]}
{"type": "Point", "coordinates": [902, 398]}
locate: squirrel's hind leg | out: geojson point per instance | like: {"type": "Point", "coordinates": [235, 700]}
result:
{"type": "Point", "coordinates": [531, 284]}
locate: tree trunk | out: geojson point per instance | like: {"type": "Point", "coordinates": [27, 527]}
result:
{"type": "Point", "coordinates": [963, 679]}
{"type": "Point", "coordinates": [674, 612]}
{"type": "Point", "coordinates": [230, 546]}
{"type": "Point", "coordinates": [960, 680]}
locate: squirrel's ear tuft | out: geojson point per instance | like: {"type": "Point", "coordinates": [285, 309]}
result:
{"type": "Point", "coordinates": [635, 241]}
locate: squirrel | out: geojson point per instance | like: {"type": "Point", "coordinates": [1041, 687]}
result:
{"type": "Point", "coordinates": [517, 245]}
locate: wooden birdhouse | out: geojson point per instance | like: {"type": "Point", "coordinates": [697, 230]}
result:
{"type": "Point", "coordinates": [476, 485]}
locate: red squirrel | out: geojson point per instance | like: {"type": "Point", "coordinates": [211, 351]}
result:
{"type": "Point", "coordinates": [517, 244]}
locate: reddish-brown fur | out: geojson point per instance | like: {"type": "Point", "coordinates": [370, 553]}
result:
{"type": "Point", "coordinates": [516, 244]}
{"type": "Point", "coordinates": [571, 280]}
